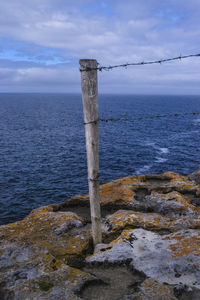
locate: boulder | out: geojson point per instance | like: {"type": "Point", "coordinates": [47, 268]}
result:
{"type": "Point", "coordinates": [36, 254]}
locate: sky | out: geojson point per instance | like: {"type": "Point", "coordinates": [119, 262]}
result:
{"type": "Point", "coordinates": [41, 42]}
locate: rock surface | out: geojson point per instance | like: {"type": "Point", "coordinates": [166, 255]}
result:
{"type": "Point", "coordinates": [150, 249]}
{"type": "Point", "coordinates": [195, 176]}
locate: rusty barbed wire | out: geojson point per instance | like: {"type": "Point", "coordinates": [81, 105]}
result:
{"type": "Point", "coordinates": [160, 61]}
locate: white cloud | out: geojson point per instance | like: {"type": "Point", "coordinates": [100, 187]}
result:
{"type": "Point", "coordinates": [135, 31]}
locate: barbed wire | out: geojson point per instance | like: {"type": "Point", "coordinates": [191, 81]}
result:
{"type": "Point", "coordinates": [124, 118]}
{"type": "Point", "coordinates": [160, 61]}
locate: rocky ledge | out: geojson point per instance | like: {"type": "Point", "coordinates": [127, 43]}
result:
{"type": "Point", "coordinates": [150, 249]}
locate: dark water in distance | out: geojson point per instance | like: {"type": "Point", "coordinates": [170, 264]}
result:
{"type": "Point", "coordinates": [42, 145]}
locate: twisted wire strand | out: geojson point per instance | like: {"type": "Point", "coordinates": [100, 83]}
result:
{"type": "Point", "coordinates": [124, 118]}
{"type": "Point", "coordinates": [160, 61]}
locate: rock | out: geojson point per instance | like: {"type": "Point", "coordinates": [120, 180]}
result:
{"type": "Point", "coordinates": [36, 253]}
{"type": "Point", "coordinates": [150, 247]}
{"type": "Point", "coordinates": [151, 221]}
{"type": "Point", "coordinates": [195, 176]}
{"type": "Point", "coordinates": [170, 204]}
{"type": "Point", "coordinates": [151, 289]}
{"type": "Point", "coordinates": [127, 192]}
{"type": "Point", "coordinates": [173, 259]}
{"type": "Point", "coordinates": [65, 228]}
{"type": "Point", "coordinates": [61, 284]}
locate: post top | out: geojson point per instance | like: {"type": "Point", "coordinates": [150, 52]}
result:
{"type": "Point", "coordinates": [88, 64]}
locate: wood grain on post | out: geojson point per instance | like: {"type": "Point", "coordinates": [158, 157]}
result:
{"type": "Point", "coordinates": [90, 105]}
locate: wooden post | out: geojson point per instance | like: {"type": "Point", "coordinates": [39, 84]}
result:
{"type": "Point", "coordinates": [90, 105]}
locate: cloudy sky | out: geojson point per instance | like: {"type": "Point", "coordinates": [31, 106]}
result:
{"type": "Point", "coordinates": [41, 42]}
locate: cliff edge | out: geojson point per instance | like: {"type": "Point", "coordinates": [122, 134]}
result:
{"type": "Point", "coordinates": [150, 249]}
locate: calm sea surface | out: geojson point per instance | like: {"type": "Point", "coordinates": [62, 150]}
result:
{"type": "Point", "coordinates": [42, 144]}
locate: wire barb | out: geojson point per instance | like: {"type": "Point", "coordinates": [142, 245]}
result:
{"type": "Point", "coordinates": [160, 61]}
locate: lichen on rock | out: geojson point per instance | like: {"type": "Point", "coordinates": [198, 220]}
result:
{"type": "Point", "coordinates": [151, 232]}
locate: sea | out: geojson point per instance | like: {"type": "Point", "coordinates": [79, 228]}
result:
{"type": "Point", "coordinates": [42, 144]}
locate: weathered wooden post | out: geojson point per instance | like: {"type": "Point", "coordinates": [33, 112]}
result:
{"type": "Point", "coordinates": [91, 116]}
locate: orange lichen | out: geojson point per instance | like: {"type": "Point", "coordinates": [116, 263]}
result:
{"type": "Point", "coordinates": [126, 234]}
{"type": "Point", "coordinates": [185, 245]}
{"type": "Point", "coordinates": [116, 193]}
{"type": "Point", "coordinates": [122, 191]}
{"type": "Point", "coordinates": [39, 230]}
{"type": "Point", "coordinates": [123, 218]}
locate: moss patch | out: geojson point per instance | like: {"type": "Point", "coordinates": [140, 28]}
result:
{"type": "Point", "coordinates": [45, 285]}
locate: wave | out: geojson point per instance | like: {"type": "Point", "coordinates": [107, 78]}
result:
{"type": "Point", "coordinates": [182, 134]}
{"type": "Point", "coordinates": [164, 150]}
{"type": "Point", "coordinates": [196, 121]}
{"type": "Point", "coordinates": [161, 159]}
{"type": "Point", "coordinates": [142, 170]}
{"type": "Point", "coordinates": [149, 143]}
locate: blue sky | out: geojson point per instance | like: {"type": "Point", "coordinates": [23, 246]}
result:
{"type": "Point", "coordinates": [41, 43]}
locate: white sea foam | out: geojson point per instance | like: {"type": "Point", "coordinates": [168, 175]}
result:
{"type": "Point", "coordinates": [196, 121]}
{"type": "Point", "coordinates": [164, 150]}
{"type": "Point", "coordinates": [160, 159]}
{"type": "Point", "coordinates": [149, 143]}
{"type": "Point", "coordinates": [142, 170]}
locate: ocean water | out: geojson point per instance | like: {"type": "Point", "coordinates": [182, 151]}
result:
{"type": "Point", "coordinates": [42, 144]}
